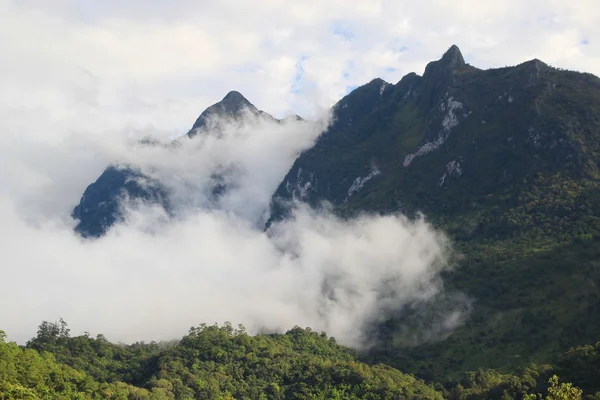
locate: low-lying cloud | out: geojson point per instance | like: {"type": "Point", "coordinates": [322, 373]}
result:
{"type": "Point", "coordinates": [154, 275]}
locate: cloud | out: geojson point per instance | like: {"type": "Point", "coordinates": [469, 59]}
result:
{"type": "Point", "coordinates": [158, 65]}
{"type": "Point", "coordinates": [154, 275]}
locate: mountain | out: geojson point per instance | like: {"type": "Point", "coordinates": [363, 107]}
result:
{"type": "Point", "coordinates": [99, 207]}
{"type": "Point", "coordinates": [506, 161]}
{"type": "Point", "coordinates": [451, 138]}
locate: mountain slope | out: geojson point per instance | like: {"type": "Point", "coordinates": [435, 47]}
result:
{"type": "Point", "coordinates": [99, 207]}
{"type": "Point", "coordinates": [421, 143]}
{"type": "Point", "coordinates": [506, 161]}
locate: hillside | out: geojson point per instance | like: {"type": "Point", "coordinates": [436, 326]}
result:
{"type": "Point", "coordinates": [506, 162]}
{"type": "Point", "coordinates": [213, 362]}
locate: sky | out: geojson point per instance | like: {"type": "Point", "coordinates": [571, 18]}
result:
{"type": "Point", "coordinates": [81, 80]}
{"type": "Point", "coordinates": [138, 64]}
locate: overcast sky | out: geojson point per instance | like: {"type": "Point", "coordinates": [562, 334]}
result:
{"type": "Point", "coordinates": [98, 65]}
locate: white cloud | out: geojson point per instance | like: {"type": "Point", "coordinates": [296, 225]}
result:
{"type": "Point", "coordinates": [152, 276]}
{"type": "Point", "coordinates": [133, 285]}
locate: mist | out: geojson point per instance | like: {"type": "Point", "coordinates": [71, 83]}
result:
{"type": "Point", "coordinates": [153, 275]}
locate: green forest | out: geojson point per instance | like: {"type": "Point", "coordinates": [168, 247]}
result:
{"type": "Point", "coordinates": [224, 362]}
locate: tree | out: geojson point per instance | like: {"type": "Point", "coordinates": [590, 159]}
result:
{"type": "Point", "coordinates": [49, 334]}
{"type": "Point", "coordinates": [564, 391]}
{"type": "Point", "coordinates": [558, 391]}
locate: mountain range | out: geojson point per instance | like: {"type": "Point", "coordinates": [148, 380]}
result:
{"type": "Point", "coordinates": [505, 160]}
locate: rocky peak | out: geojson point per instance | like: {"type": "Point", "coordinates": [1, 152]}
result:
{"type": "Point", "coordinates": [453, 57]}
{"type": "Point", "coordinates": [234, 102]}
{"type": "Point", "coordinates": [451, 60]}
{"type": "Point", "coordinates": [233, 105]}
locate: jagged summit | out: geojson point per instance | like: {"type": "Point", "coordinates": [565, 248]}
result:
{"type": "Point", "coordinates": [451, 60]}
{"type": "Point", "coordinates": [235, 99]}
{"type": "Point", "coordinates": [233, 105]}
{"type": "Point", "coordinates": [453, 57]}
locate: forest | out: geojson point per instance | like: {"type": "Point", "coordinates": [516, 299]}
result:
{"type": "Point", "coordinates": [225, 362]}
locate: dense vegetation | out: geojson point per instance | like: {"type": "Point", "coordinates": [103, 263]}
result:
{"type": "Point", "coordinates": [507, 162]}
{"type": "Point", "coordinates": [213, 362]}
{"type": "Point", "coordinates": [29, 374]}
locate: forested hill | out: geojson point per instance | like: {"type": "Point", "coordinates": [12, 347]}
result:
{"type": "Point", "coordinates": [209, 363]}
{"type": "Point", "coordinates": [213, 362]}
{"type": "Point", "coordinates": [507, 162]}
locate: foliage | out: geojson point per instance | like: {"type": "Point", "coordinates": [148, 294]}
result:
{"type": "Point", "coordinates": [27, 374]}
{"type": "Point", "coordinates": [223, 362]}
{"type": "Point", "coordinates": [211, 362]}
{"type": "Point", "coordinates": [581, 364]}
{"type": "Point", "coordinates": [102, 360]}
{"type": "Point", "coordinates": [556, 391]}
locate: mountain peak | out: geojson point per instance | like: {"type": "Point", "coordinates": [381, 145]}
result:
{"type": "Point", "coordinates": [232, 105]}
{"type": "Point", "coordinates": [234, 96]}
{"type": "Point", "coordinates": [535, 64]}
{"type": "Point", "coordinates": [453, 57]}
